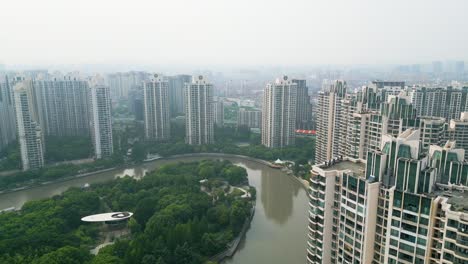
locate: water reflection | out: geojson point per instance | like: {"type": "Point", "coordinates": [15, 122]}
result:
{"type": "Point", "coordinates": [278, 200]}
{"type": "Point", "coordinates": [278, 231]}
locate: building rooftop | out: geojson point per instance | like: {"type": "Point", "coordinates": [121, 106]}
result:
{"type": "Point", "coordinates": [459, 201]}
{"type": "Point", "coordinates": [456, 194]}
{"type": "Point", "coordinates": [357, 167]}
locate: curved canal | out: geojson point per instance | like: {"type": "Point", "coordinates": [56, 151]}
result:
{"type": "Point", "coordinates": [277, 234]}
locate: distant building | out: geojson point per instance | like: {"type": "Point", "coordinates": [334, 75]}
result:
{"type": "Point", "coordinates": [7, 115]}
{"type": "Point", "coordinates": [199, 117]}
{"type": "Point", "coordinates": [139, 109]}
{"type": "Point", "coordinates": [303, 106]}
{"type": "Point", "coordinates": [30, 136]}
{"type": "Point", "coordinates": [121, 83]}
{"type": "Point", "coordinates": [458, 131]}
{"type": "Point", "coordinates": [279, 113]}
{"type": "Point", "coordinates": [63, 106]}
{"type": "Point", "coordinates": [437, 67]}
{"type": "Point", "coordinates": [176, 93]}
{"type": "Point", "coordinates": [157, 112]}
{"type": "Point", "coordinates": [447, 102]}
{"type": "Point", "coordinates": [101, 121]}
{"type": "Point", "coordinates": [249, 118]}
{"type": "Point", "coordinates": [219, 113]}
{"type": "Point", "coordinates": [136, 104]}
{"type": "Point", "coordinates": [459, 67]}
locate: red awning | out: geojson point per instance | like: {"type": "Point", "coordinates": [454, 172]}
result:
{"type": "Point", "coordinates": [306, 132]}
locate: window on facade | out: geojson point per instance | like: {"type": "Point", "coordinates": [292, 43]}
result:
{"type": "Point", "coordinates": [397, 198]}
{"type": "Point", "coordinates": [423, 221]}
{"type": "Point", "coordinates": [407, 237]}
{"type": "Point", "coordinates": [425, 205]}
{"type": "Point", "coordinates": [452, 223]}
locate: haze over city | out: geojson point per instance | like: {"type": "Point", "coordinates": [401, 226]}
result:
{"type": "Point", "coordinates": [243, 32]}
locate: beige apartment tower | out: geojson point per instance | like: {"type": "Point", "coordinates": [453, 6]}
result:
{"type": "Point", "coordinates": [279, 113]}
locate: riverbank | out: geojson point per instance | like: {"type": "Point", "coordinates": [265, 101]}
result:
{"type": "Point", "coordinates": [234, 245]}
{"type": "Point", "coordinates": [303, 183]}
{"type": "Point", "coordinates": [35, 185]}
{"type": "Point", "coordinates": [214, 155]}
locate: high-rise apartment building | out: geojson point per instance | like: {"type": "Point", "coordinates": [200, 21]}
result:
{"type": "Point", "coordinates": [440, 102]}
{"type": "Point", "coordinates": [63, 106]}
{"type": "Point", "coordinates": [386, 187]}
{"type": "Point", "coordinates": [338, 224]}
{"type": "Point", "coordinates": [176, 93]}
{"type": "Point", "coordinates": [156, 105]}
{"type": "Point", "coordinates": [279, 113]}
{"type": "Point", "coordinates": [218, 109]}
{"type": "Point", "coordinates": [30, 135]}
{"type": "Point", "coordinates": [199, 117]}
{"type": "Point", "coordinates": [101, 121]}
{"type": "Point", "coordinates": [329, 112]}
{"type": "Point", "coordinates": [399, 206]}
{"type": "Point", "coordinates": [7, 115]}
{"type": "Point", "coordinates": [457, 131]}
{"type": "Point", "coordinates": [432, 132]}
{"type": "Point", "coordinates": [396, 115]}
{"type": "Point", "coordinates": [122, 83]}
{"type": "Point", "coordinates": [410, 217]}
{"type": "Point", "coordinates": [249, 118]}
{"type": "Point", "coordinates": [303, 106]}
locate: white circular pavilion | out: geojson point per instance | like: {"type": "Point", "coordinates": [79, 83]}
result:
{"type": "Point", "coordinates": [108, 218]}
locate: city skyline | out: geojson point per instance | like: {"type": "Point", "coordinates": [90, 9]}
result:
{"type": "Point", "coordinates": [240, 132]}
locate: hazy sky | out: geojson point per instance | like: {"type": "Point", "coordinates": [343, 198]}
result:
{"type": "Point", "coordinates": [233, 32]}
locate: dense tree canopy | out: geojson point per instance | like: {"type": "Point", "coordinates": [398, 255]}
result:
{"type": "Point", "coordinates": [10, 157]}
{"type": "Point", "coordinates": [303, 151]}
{"type": "Point", "coordinates": [174, 221]}
{"type": "Point", "coordinates": [68, 148]}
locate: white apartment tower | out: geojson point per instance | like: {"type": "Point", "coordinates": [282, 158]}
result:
{"type": "Point", "coordinates": [29, 130]}
{"type": "Point", "coordinates": [199, 117]}
{"type": "Point", "coordinates": [329, 114]}
{"type": "Point", "coordinates": [447, 102]}
{"type": "Point", "coordinates": [156, 108]}
{"type": "Point", "coordinates": [101, 121]}
{"type": "Point", "coordinates": [279, 113]}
